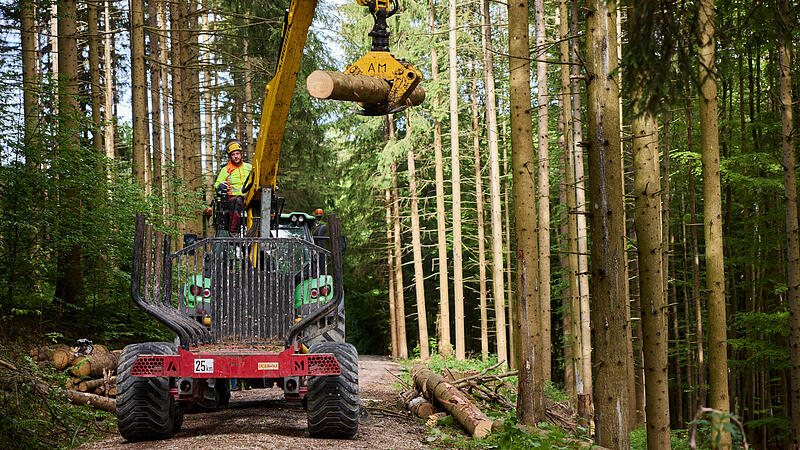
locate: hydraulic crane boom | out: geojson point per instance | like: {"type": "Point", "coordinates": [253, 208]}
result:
{"type": "Point", "coordinates": [402, 78]}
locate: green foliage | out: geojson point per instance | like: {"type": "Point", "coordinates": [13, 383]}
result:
{"type": "Point", "coordinates": [678, 439]}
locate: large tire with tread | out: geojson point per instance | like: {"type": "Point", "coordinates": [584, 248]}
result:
{"type": "Point", "coordinates": [332, 402]}
{"type": "Point", "coordinates": [336, 334]}
{"type": "Point", "coordinates": [145, 408]}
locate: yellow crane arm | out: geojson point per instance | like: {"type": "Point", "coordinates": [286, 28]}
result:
{"type": "Point", "coordinates": [278, 97]}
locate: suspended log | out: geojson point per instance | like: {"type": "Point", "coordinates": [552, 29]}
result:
{"type": "Point", "coordinates": [89, 385]}
{"type": "Point", "coordinates": [93, 365]}
{"type": "Point", "coordinates": [354, 88]}
{"type": "Point", "coordinates": [101, 403]}
{"type": "Point", "coordinates": [466, 413]}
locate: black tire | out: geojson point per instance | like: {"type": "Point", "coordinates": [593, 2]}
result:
{"type": "Point", "coordinates": [332, 402]}
{"type": "Point", "coordinates": [336, 334]}
{"type": "Point", "coordinates": [145, 408]}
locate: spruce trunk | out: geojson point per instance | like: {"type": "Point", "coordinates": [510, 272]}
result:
{"type": "Point", "coordinates": [609, 277]}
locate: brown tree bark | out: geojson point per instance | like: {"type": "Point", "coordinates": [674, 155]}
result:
{"type": "Point", "coordinates": [94, 75]}
{"type": "Point", "coordinates": [141, 134]}
{"type": "Point", "coordinates": [712, 218]}
{"type": "Point", "coordinates": [648, 223]}
{"type": "Point", "coordinates": [354, 88]}
{"type": "Point", "coordinates": [609, 277]}
{"type": "Point", "coordinates": [400, 315]}
{"type": "Point", "coordinates": [416, 243]}
{"type": "Point", "coordinates": [455, 172]}
{"type": "Point", "coordinates": [69, 280]}
{"type": "Point", "coordinates": [580, 204]}
{"type": "Point", "coordinates": [543, 189]}
{"type": "Point", "coordinates": [498, 289]}
{"type": "Point", "coordinates": [108, 68]}
{"type": "Point", "coordinates": [30, 81]}
{"type": "Point", "coordinates": [792, 232]}
{"type": "Point", "coordinates": [155, 99]}
{"type": "Point", "coordinates": [527, 317]}
{"type": "Point", "coordinates": [476, 147]}
{"type": "Point", "coordinates": [390, 266]}
{"type": "Point", "coordinates": [445, 347]}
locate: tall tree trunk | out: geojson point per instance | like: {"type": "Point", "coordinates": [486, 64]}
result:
{"type": "Point", "coordinates": [527, 318]}
{"type": "Point", "coordinates": [445, 347]}
{"type": "Point", "coordinates": [648, 223]}
{"type": "Point", "coordinates": [390, 265]}
{"type": "Point", "coordinates": [165, 98]}
{"type": "Point", "coordinates": [609, 301]}
{"type": "Point", "coordinates": [580, 204]}
{"type": "Point", "coordinates": [30, 80]}
{"type": "Point", "coordinates": [54, 47]}
{"type": "Point", "coordinates": [701, 369]}
{"type": "Point", "coordinates": [108, 67]}
{"type": "Point", "coordinates": [476, 146]}
{"type": "Point", "coordinates": [712, 218]}
{"type": "Point", "coordinates": [141, 135]}
{"type": "Point", "coordinates": [194, 136]}
{"type": "Point", "coordinates": [208, 133]}
{"type": "Point", "coordinates": [248, 89]}
{"type": "Point", "coordinates": [512, 355]}
{"type": "Point", "coordinates": [94, 76]}
{"type": "Point", "coordinates": [155, 100]}
{"type": "Point", "coordinates": [667, 240]}
{"type": "Point", "coordinates": [419, 276]}
{"type": "Point", "coordinates": [399, 302]}
{"type": "Point", "coordinates": [792, 232]}
{"type": "Point", "coordinates": [69, 282]}
{"type": "Point", "coordinates": [543, 190]}
{"type": "Point", "coordinates": [498, 290]}
{"type": "Point", "coordinates": [458, 276]}
{"type": "Point", "coordinates": [574, 354]}
{"type": "Point", "coordinates": [177, 25]}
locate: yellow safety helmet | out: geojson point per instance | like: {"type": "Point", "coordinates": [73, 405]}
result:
{"type": "Point", "coordinates": [232, 145]}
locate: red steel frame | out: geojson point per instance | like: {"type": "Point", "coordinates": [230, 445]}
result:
{"type": "Point", "coordinates": [236, 363]}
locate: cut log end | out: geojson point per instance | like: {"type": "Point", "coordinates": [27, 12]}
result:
{"type": "Point", "coordinates": [482, 429]}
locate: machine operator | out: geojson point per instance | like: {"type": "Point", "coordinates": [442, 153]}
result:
{"type": "Point", "coordinates": [231, 179]}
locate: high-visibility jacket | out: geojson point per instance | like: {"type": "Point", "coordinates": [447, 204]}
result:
{"type": "Point", "coordinates": [235, 176]}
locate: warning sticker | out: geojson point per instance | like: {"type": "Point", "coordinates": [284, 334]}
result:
{"type": "Point", "coordinates": [268, 366]}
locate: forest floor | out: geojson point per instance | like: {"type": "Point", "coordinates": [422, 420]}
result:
{"type": "Point", "coordinates": [260, 418]}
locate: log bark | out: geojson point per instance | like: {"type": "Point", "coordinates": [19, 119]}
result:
{"type": "Point", "coordinates": [93, 365]}
{"type": "Point", "coordinates": [86, 386]}
{"type": "Point", "coordinates": [354, 88]}
{"type": "Point", "coordinates": [101, 403]}
{"type": "Point", "coordinates": [469, 416]}
{"type": "Point", "coordinates": [61, 358]}
{"type": "Point", "coordinates": [421, 407]}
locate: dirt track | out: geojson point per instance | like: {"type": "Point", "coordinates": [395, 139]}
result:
{"type": "Point", "coordinates": [259, 418]}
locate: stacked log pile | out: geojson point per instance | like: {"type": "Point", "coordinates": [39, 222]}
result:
{"type": "Point", "coordinates": [91, 371]}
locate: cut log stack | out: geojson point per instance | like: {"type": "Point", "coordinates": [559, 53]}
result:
{"type": "Point", "coordinates": [91, 375]}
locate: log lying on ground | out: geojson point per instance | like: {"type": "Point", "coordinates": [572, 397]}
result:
{"type": "Point", "coordinates": [83, 398]}
{"type": "Point", "coordinates": [421, 407]}
{"type": "Point", "coordinates": [46, 352]}
{"type": "Point", "coordinates": [90, 385]}
{"type": "Point", "coordinates": [61, 358]}
{"type": "Point", "coordinates": [93, 365]}
{"type": "Point", "coordinates": [466, 413]}
{"type": "Point", "coordinates": [355, 88]}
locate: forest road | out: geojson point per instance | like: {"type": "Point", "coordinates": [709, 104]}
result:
{"type": "Point", "coordinates": [260, 418]}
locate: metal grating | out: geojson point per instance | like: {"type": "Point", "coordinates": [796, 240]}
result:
{"type": "Point", "coordinates": [148, 365]}
{"type": "Point", "coordinates": [322, 364]}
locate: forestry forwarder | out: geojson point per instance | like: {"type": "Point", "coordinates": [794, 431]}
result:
{"type": "Point", "coordinates": [266, 307]}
